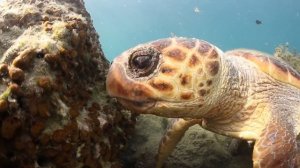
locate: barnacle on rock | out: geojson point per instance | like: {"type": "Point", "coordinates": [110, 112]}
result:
{"type": "Point", "coordinates": [16, 74]}
{"type": "Point", "coordinates": [54, 110]}
{"type": "Point", "coordinates": [3, 105]}
{"type": "Point", "coordinates": [24, 58]}
{"type": "Point", "coordinates": [9, 126]}
{"type": "Point", "coordinates": [3, 70]}
{"type": "Point", "coordinates": [44, 82]}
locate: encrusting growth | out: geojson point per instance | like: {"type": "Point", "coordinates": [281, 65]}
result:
{"type": "Point", "coordinates": [54, 111]}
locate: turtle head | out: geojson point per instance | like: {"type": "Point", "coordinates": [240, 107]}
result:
{"type": "Point", "coordinates": [170, 77]}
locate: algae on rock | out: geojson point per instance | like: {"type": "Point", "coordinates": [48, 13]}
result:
{"type": "Point", "coordinates": [54, 111]}
{"type": "Point", "coordinates": [291, 57]}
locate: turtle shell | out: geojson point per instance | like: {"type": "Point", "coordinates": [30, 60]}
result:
{"type": "Point", "coordinates": [275, 67]}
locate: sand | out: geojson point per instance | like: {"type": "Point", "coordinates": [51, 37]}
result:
{"type": "Point", "coordinates": [198, 148]}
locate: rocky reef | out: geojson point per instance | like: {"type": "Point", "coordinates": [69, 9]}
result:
{"type": "Point", "coordinates": [54, 111]}
{"type": "Point", "coordinates": [292, 57]}
{"type": "Point", "coordinates": [198, 147]}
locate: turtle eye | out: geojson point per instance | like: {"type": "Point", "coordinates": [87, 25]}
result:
{"type": "Point", "coordinates": [143, 62]}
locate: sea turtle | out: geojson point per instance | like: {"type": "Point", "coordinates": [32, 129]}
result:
{"type": "Point", "coordinates": [241, 93]}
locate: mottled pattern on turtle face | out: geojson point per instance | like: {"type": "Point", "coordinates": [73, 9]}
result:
{"type": "Point", "coordinates": [173, 70]}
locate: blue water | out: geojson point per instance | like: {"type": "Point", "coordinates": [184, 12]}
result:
{"type": "Point", "coordinates": [228, 24]}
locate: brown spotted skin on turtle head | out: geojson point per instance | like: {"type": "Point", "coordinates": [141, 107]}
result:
{"type": "Point", "coordinates": [157, 77]}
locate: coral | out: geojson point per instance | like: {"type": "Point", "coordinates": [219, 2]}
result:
{"type": "Point", "coordinates": [291, 57]}
{"type": "Point", "coordinates": [54, 111]}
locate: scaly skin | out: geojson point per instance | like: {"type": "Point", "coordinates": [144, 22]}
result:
{"type": "Point", "coordinates": [241, 93]}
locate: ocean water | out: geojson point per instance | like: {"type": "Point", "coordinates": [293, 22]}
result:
{"type": "Point", "coordinates": [228, 24]}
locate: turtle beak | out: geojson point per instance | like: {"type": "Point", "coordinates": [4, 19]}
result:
{"type": "Point", "coordinates": [137, 106]}
{"type": "Point", "coordinates": [114, 79]}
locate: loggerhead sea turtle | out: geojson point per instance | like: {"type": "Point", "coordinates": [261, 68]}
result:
{"type": "Point", "coordinates": [241, 93]}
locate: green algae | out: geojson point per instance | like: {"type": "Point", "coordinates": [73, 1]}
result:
{"type": "Point", "coordinates": [5, 93]}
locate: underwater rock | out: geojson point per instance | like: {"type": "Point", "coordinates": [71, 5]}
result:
{"type": "Point", "coordinates": [54, 110]}
{"type": "Point", "coordinates": [286, 54]}
{"type": "Point", "coordinates": [198, 148]}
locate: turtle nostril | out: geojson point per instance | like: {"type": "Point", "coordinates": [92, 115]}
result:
{"type": "Point", "coordinates": [142, 62]}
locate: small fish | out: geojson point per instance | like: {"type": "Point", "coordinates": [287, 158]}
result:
{"type": "Point", "coordinates": [258, 22]}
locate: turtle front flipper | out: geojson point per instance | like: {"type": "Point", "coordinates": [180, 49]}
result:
{"type": "Point", "coordinates": [175, 131]}
{"type": "Point", "coordinates": [276, 147]}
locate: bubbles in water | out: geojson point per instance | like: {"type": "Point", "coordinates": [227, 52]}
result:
{"type": "Point", "coordinates": [196, 10]}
